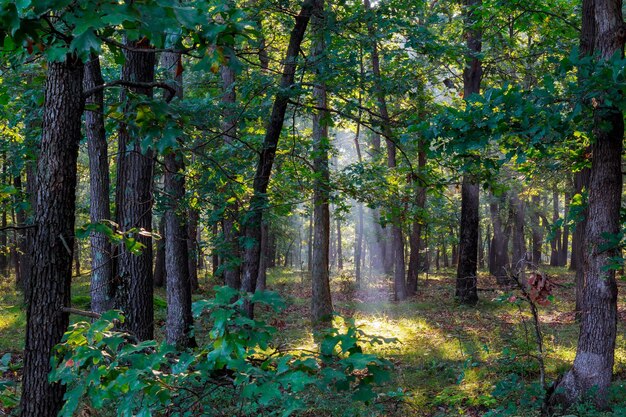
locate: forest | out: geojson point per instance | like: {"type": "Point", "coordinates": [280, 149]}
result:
{"type": "Point", "coordinates": [238, 208]}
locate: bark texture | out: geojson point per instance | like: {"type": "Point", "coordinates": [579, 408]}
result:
{"type": "Point", "coordinates": [53, 237]}
{"type": "Point", "coordinates": [593, 365]}
{"type": "Point", "coordinates": [99, 185]}
{"type": "Point", "coordinates": [134, 204]}
{"type": "Point", "coordinates": [466, 291]}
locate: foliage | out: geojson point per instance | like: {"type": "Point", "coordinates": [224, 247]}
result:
{"type": "Point", "coordinates": [236, 371]}
{"type": "Point", "coordinates": [8, 395]}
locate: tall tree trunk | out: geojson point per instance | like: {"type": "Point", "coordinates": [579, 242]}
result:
{"type": "Point", "coordinates": [134, 204]}
{"type": "Point", "coordinates": [593, 365]}
{"type": "Point", "coordinates": [565, 234]}
{"type": "Point", "coordinates": [232, 272]}
{"type": "Point", "coordinates": [215, 259]}
{"type": "Point", "coordinates": [261, 283]}
{"type": "Point", "coordinates": [416, 231]}
{"type": "Point", "coordinates": [22, 256]}
{"type": "Point", "coordinates": [321, 303]}
{"type": "Point", "coordinates": [466, 282]}
{"type": "Point", "coordinates": [179, 319]}
{"type": "Point", "coordinates": [258, 201]}
{"type": "Point", "coordinates": [99, 185]}
{"type": "Point", "coordinates": [53, 238]}
{"type": "Point", "coordinates": [309, 245]}
{"type": "Point", "coordinates": [397, 239]}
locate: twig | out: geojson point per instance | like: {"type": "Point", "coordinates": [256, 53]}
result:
{"type": "Point", "coordinates": [79, 312]}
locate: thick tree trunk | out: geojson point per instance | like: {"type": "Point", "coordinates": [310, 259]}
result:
{"type": "Point", "coordinates": [258, 202]}
{"type": "Point", "coordinates": [466, 292]}
{"type": "Point", "coordinates": [593, 365]}
{"type": "Point", "coordinates": [416, 231]}
{"type": "Point", "coordinates": [321, 303]}
{"type": "Point", "coordinates": [100, 207]}
{"type": "Point", "coordinates": [53, 238]}
{"type": "Point", "coordinates": [466, 282]}
{"type": "Point", "coordinates": [134, 204]}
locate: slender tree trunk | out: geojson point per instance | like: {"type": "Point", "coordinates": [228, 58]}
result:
{"type": "Point", "coordinates": [193, 248]}
{"type": "Point", "coordinates": [555, 243]}
{"type": "Point", "coordinates": [416, 231]}
{"type": "Point", "coordinates": [53, 239]}
{"type": "Point", "coordinates": [537, 239]}
{"type": "Point", "coordinates": [466, 291]}
{"type": "Point", "coordinates": [310, 244]}
{"type": "Point", "coordinates": [179, 319]}
{"type": "Point", "coordinates": [519, 244]}
{"type": "Point", "coordinates": [215, 259]}
{"type": "Point", "coordinates": [21, 254]}
{"type": "Point", "coordinates": [499, 249]}
{"type": "Point", "coordinates": [321, 303]}
{"type": "Point", "coordinates": [339, 246]}
{"type": "Point", "coordinates": [397, 240]}
{"type": "Point", "coordinates": [160, 274]}
{"type": "Point", "coordinates": [593, 365]}
{"type": "Point", "coordinates": [99, 185]}
{"type": "Point", "coordinates": [258, 202]}
{"type": "Point", "coordinates": [232, 272]}
{"type": "Point", "coordinates": [134, 204]}
{"type": "Point", "coordinates": [261, 283]}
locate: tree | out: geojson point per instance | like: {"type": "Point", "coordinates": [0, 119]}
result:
{"type": "Point", "coordinates": [135, 167]}
{"type": "Point", "coordinates": [99, 208]}
{"type": "Point", "coordinates": [321, 304]}
{"type": "Point", "coordinates": [593, 365]}
{"type": "Point", "coordinates": [466, 282]}
{"type": "Point", "coordinates": [53, 240]}
{"type": "Point", "coordinates": [253, 222]}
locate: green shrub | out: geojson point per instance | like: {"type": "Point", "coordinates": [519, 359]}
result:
{"type": "Point", "coordinates": [236, 372]}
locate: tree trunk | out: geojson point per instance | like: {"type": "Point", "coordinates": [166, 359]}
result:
{"type": "Point", "coordinates": [519, 244]}
{"type": "Point", "coordinates": [193, 248]}
{"type": "Point", "coordinates": [22, 256]}
{"type": "Point", "coordinates": [321, 303]}
{"type": "Point", "coordinates": [160, 274]}
{"type": "Point", "coordinates": [134, 204]}
{"type": "Point", "coordinates": [258, 201]}
{"type": "Point", "coordinates": [565, 234]}
{"type": "Point", "coordinates": [309, 245]}
{"type": "Point", "coordinates": [99, 208]}
{"type": "Point", "coordinates": [261, 283]}
{"type": "Point", "coordinates": [397, 240]}
{"type": "Point", "coordinates": [416, 231]}
{"type": "Point", "coordinates": [537, 239]}
{"type": "Point", "coordinates": [466, 292]}
{"type": "Point", "coordinates": [499, 248]}
{"type": "Point", "coordinates": [53, 239]}
{"type": "Point", "coordinates": [179, 319]}
{"type": "Point", "coordinates": [593, 365]}
{"type": "Point", "coordinates": [339, 246]}
{"type": "Point", "coordinates": [232, 270]}
{"type": "Point", "coordinates": [215, 259]}
{"type": "Point", "coordinates": [555, 243]}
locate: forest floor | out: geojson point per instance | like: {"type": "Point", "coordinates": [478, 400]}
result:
{"type": "Point", "coordinates": [450, 360]}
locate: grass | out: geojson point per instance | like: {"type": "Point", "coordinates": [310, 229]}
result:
{"type": "Point", "coordinates": [449, 358]}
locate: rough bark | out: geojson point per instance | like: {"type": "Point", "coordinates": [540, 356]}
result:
{"type": "Point", "coordinates": [593, 365]}
{"type": "Point", "coordinates": [134, 201]}
{"type": "Point", "coordinates": [258, 201]}
{"type": "Point", "coordinates": [179, 319]}
{"type": "Point", "coordinates": [99, 185]}
{"type": "Point", "coordinates": [466, 292]}
{"type": "Point", "coordinates": [321, 303]}
{"type": "Point", "coordinates": [49, 289]}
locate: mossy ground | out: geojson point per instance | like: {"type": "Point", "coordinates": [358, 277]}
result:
{"type": "Point", "coordinates": [448, 358]}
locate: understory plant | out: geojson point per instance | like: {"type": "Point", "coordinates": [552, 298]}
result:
{"type": "Point", "coordinates": [236, 371]}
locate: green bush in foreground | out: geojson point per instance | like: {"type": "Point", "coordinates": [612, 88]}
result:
{"type": "Point", "coordinates": [236, 372]}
